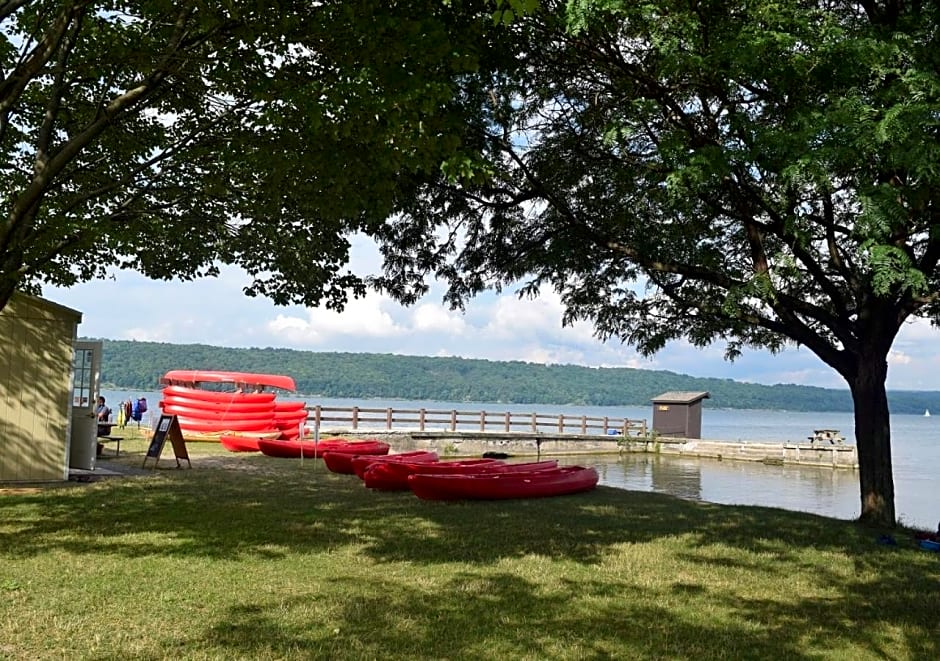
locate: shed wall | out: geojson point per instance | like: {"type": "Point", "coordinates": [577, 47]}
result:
{"type": "Point", "coordinates": [678, 419]}
{"type": "Point", "coordinates": [35, 376]}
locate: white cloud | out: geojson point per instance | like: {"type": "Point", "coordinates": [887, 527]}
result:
{"type": "Point", "coordinates": [428, 318]}
{"type": "Point", "coordinates": [898, 358]}
{"type": "Point", "coordinates": [512, 317]}
{"type": "Point", "coordinates": [364, 317]}
{"type": "Point", "coordinates": [159, 333]}
{"type": "Point", "coordinates": [915, 331]}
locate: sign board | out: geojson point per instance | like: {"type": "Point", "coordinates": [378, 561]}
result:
{"type": "Point", "coordinates": [168, 427]}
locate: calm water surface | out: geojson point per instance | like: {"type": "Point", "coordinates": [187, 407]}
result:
{"type": "Point", "coordinates": [915, 453]}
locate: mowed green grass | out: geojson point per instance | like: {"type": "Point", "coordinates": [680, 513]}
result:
{"type": "Point", "coordinates": [274, 559]}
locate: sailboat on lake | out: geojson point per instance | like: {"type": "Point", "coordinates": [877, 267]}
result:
{"type": "Point", "coordinates": [926, 413]}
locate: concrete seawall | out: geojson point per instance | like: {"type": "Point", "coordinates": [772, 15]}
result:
{"type": "Point", "coordinates": [526, 444]}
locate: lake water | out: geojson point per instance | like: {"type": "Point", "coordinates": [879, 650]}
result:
{"type": "Point", "coordinates": [915, 446]}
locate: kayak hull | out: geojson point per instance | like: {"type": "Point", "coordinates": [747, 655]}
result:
{"type": "Point", "coordinates": [294, 449]}
{"type": "Point", "coordinates": [501, 486]}
{"type": "Point", "coordinates": [239, 443]}
{"type": "Point", "coordinates": [393, 476]}
{"type": "Point", "coordinates": [361, 463]}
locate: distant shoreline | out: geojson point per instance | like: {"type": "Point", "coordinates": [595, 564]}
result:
{"type": "Point", "coordinates": [366, 376]}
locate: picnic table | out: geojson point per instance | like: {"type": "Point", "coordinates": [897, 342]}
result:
{"type": "Point", "coordinates": [104, 436]}
{"type": "Point", "coordinates": [831, 436]}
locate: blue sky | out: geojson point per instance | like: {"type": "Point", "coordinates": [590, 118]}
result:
{"type": "Point", "coordinates": [496, 327]}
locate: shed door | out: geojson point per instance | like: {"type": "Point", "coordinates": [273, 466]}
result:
{"type": "Point", "coordinates": [86, 367]}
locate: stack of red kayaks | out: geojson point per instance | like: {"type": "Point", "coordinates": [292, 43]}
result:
{"type": "Point", "coordinates": [497, 486]}
{"type": "Point", "coordinates": [289, 418]}
{"type": "Point", "coordinates": [208, 404]}
{"type": "Point", "coordinates": [309, 449]}
{"type": "Point", "coordinates": [393, 476]}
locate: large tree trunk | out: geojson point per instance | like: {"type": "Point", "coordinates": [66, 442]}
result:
{"type": "Point", "coordinates": [873, 439]}
{"type": "Point", "coordinates": [7, 287]}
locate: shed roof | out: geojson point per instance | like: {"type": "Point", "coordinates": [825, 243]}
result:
{"type": "Point", "coordinates": [44, 304]}
{"type": "Point", "coordinates": [679, 397]}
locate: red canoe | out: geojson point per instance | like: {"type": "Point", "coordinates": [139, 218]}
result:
{"type": "Point", "coordinates": [499, 486]}
{"type": "Point", "coordinates": [239, 443]}
{"type": "Point", "coordinates": [345, 462]}
{"type": "Point", "coordinates": [339, 459]}
{"type": "Point", "coordinates": [294, 448]}
{"type": "Point", "coordinates": [393, 475]}
{"type": "Point", "coordinates": [361, 463]}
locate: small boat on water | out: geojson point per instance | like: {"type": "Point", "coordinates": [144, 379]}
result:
{"type": "Point", "coordinates": [500, 486]}
{"type": "Point", "coordinates": [295, 448]}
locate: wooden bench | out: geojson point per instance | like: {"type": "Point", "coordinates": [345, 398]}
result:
{"type": "Point", "coordinates": [102, 440]}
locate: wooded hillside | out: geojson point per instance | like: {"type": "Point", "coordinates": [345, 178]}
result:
{"type": "Point", "coordinates": [139, 365]}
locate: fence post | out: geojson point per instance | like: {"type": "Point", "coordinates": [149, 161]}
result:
{"type": "Point", "coordinates": [420, 419]}
{"type": "Point", "coordinates": [535, 423]}
{"type": "Point", "coordinates": [388, 419]}
{"type": "Point", "coordinates": [355, 417]}
{"type": "Point", "coordinates": [316, 416]}
{"type": "Point", "coordinates": [453, 420]}
{"type": "Point", "coordinates": [605, 425]}
{"type": "Point", "coordinates": [508, 420]}
{"type": "Point", "coordinates": [482, 420]}
{"type": "Point", "coordinates": [583, 425]}
{"type": "Point", "coordinates": [561, 423]}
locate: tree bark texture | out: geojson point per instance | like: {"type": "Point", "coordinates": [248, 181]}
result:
{"type": "Point", "coordinates": [873, 438]}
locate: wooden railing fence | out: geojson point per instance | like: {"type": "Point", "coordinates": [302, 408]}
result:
{"type": "Point", "coordinates": [388, 419]}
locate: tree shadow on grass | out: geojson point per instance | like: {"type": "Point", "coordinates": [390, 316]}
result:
{"type": "Point", "coordinates": [500, 615]}
{"type": "Point", "coordinates": [294, 510]}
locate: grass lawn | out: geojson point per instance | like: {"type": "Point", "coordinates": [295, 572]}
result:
{"type": "Point", "coordinates": [261, 558]}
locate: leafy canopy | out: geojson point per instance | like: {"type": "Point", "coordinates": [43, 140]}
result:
{"type": "Point", "coordinates": [169, 137]}
{"type": "Point", "coordinates": [748, 173]}
{"type": "Point", "coordinates": [767, 169]}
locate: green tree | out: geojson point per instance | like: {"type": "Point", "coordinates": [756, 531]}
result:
{"type": "Point", "coordinates": [169, 137]}
{"type": "Point", "coordinates": [754, 173]}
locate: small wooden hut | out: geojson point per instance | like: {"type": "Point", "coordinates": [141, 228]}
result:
{"type": "Point", "coordinates": [678, 414]}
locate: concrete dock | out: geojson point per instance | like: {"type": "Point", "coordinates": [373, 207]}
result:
{"type": "Point", "coordinates": [525, 444]}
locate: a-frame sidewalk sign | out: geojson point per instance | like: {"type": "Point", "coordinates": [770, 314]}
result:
{"type": "Point", "coordinates": [168, 427]}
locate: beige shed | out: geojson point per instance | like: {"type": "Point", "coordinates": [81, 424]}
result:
{"type": "Point", "coordinates": [36, 367]}
{"type": "Point", "coordinates": [678, 413]}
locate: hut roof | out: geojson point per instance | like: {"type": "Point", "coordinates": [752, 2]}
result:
{"type": "Point", "coordinates": [679, 397]}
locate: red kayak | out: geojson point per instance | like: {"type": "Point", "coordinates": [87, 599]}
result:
{"type": "Point", "coordinates": [339, 459]}
{"type": "Point", "coordinates": [393, 475]}
{"type": "Point", "coordinates": [239, 443]}
{"type": "Point", "coordinates": [499, 486]}
{"type": "Point", "coordinates": [293, 449]}
{"type": "Point", "coordinates": [361, 463]}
